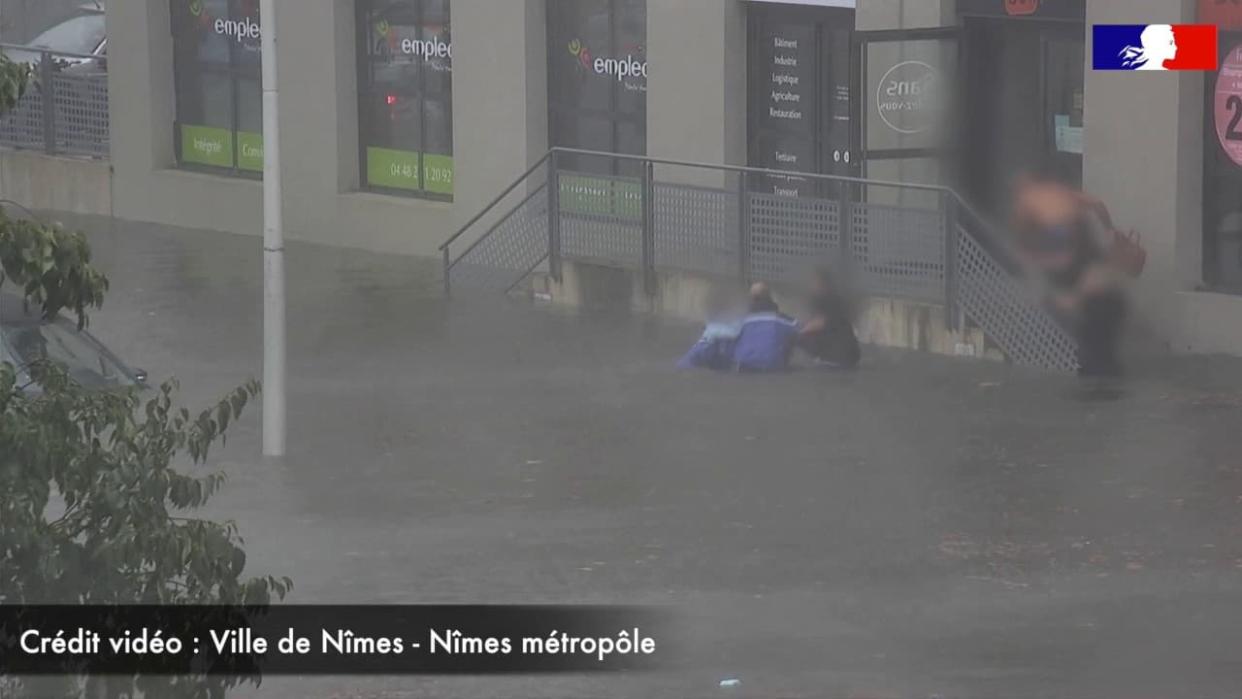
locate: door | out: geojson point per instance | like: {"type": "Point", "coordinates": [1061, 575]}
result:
{"type": "Point", "coordinates": [1022, 105]}
{"type": "Point", "coordinates": [799, 100]}
{"type": "Point", "coordinates": [1062, 60]}
{"type": "Point", "coordinates": [905, 86]}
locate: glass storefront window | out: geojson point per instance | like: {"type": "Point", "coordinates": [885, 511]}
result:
{"type": "Point", "coordinates": [406, 96]}
{"type": "Point", "coordinates": [799, 99]}
{"type": "Point", "coordinates": [597, 79]}
{"type": "Point", "coordinates": [1222, 177]}
{"type": "Point", "coordinates": [217, 68]}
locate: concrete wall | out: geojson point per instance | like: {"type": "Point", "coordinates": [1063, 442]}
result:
{"type": "Point", "coordinates": [904, 14]}
{"type": "Point", "coordinates": [1143, 154]}
{"type": "Point", "coordinates": [499, 113]}
{"type": "Point", "coordinates": [49, 183]}
{"type": "Point", "coordinates": [146, 186]}
{"type": "Point", "coordinates": [696, 90]}
{"type": "Point", "coordinates": [500, 96]}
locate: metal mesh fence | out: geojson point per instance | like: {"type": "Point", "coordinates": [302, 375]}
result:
{"type": "Point", "coordinates": [601, 218]}
{"type": "Point", "coordinates": [696, 228]}
{"type": "Point", "coordinates": [1002, 305]}
{"type": "Point", "coordinates": [81, 116]}
{"type": "Point", "coordinates": [76, 95]}
{"type": "Point", "coordinates": [508, 252]}
{"type": "Point", "coordinates": [787, 234]}
{"type": "Point", "coordinates": [897, 251]}
{"type": "Point", "coordinates": [889, 250]}
{"type": "Point", "coordinates": [23, 127]}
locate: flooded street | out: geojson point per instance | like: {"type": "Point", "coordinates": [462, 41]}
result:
{"type": "Point", "coordinates": [923, 526]}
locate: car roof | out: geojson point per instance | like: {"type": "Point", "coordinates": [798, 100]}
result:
{"type": "Point", "coordinates": [14, 310]}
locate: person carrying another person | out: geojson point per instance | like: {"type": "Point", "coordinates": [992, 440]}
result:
{"type": "Point", "coordinates": [1060, 233]}
{"type": "Point", "coordinates": [766, 337]}
{"type": "Point", "coordinates": [828, 333]}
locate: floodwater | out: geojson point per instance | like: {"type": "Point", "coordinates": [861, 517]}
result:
{"type": "Point", "coordinates": [923, 526]}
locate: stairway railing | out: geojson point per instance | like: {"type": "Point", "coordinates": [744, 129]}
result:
{"type": "Point", "coordinates": [895, 239]}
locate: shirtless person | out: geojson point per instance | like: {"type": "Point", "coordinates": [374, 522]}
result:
{"type": "Point", "coordinates": [1056, 228]}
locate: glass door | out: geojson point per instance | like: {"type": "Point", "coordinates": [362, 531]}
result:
{"type": "Point", "coordinates": [1062, 86]}
{"type": "Point", "coordinates": [1022, 106]}
{"type": "Point", "coordinates": [905, 96]}
{"type": "Point", "coordinates": [1222, 169]}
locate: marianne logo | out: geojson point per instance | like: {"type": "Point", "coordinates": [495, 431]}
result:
{"type": "Point", "coordinates": [618, 68]}
{"type": "Point", "coordinates": [1154, 47]}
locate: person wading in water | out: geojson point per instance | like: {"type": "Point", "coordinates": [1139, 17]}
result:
{"type": "Point", "coordinates": [1061, 231]}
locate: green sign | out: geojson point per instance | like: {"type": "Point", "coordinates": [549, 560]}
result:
{"type": "Point", "coordinates": [397, 169]}
{"type": "Point", "coordinates": [438, 173]}
{"type": "Point", "coordinates": [584, 194]}
{"type": "Point", "coordinates": [207, 145]}
{"type": "Point", "coordinates": [250, 151]}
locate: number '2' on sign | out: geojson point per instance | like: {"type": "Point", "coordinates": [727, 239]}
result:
{"type": "Point", "coordinates": [1228, 101]}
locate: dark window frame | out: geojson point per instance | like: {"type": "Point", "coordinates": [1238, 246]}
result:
{"type": "Point", "coordinates": [562, 110]}
{"type": "Point", "coordinates": [368, 90]}
{"type": "Point", "coordinates": [1211, 205]}
{"type": "Point", "coordinates": [823, 21]}
{"type": "Point", "coordinates": [236, 72]}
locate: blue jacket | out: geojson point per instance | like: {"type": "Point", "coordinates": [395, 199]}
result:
{"type": "Point", "coordinates": [714, 350]}
{"type": "Point", "coordinates": [765, 342]}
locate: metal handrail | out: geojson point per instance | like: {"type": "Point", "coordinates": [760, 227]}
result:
{"type": "Point", "coordinates": [750, 170]}
{"type": "Point", "coordinates": [958, 218]}
{"type": "Point", "coordinates": [31, 48]}
{"type": "Point", "coordinates": [997, 242]}
{"type": "Point", "coordinates": [745, 169]}
{"type": "Point", "coordinates": [492, 204]}
{"type": "Point", "coordinates": [533, 193]}
{"type": "Point", "coordinates": [49, 117]}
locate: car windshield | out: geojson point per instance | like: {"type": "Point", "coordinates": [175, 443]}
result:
{"type": "Point", "coordinates": [85, 359]}
{"type": "Point", "coordinates": [78, 35]}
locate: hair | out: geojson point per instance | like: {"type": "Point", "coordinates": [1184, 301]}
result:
{"type": "Point", "coordinates": [761, 298]}
{"type": "Point", "coordinates": [1132, 56]}
{"type": "Point", "coordinates": [827, 280]}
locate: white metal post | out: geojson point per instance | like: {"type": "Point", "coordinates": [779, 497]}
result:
{"type": "Point", "coordinates": [274, 403]}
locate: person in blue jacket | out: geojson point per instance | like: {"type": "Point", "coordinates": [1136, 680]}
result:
{"type": "Point", "coordinates": [766, 337]}
{"type": "Point", "coordinates": [714, 348]}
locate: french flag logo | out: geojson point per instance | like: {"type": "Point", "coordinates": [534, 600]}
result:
{"type": "Point", "coordinates": [1154, 47]}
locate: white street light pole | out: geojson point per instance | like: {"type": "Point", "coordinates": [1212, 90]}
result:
{"type": "Point", "coordinates": [274, 403]}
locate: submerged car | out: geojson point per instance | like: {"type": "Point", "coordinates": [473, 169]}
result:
{"type": "Point", "coordinates": [26, 336]}
{"type": "Point", "coordinates": [83, 38]}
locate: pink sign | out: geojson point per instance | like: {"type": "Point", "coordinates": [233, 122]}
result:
{"type": "Point", "coordinates": [1229, 104]}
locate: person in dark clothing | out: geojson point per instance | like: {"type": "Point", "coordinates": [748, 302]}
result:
{"type": "Point", "coordinates": [828, 334]}
{"type": "Point", "coordinates": [1057, 234]}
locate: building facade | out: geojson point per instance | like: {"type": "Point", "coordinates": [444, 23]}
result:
{"type": "Point", "coordinates": [402, 118]}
